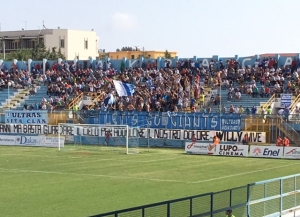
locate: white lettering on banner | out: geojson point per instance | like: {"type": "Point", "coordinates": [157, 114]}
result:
{"type": "Point", "coordinates": [180, 120]}
{"type": "Point", "coordinates": [131, 63]}
{"type": "Point", "coordinates": [197, 124]}
{"type": "Point", "coordinates": [173, 122]}
{"type": "Point", "coordinates": [291, 152]}
{"type": "Point", "coordinates": [288, 61]}
{"type": "Point", "coordinates": [263, 151]}
{"type": "Point", "coordinates": [199, 148]}
{"type": "Point", "coordinates": [156, 117]}
{"type": "Point", "coordinates": [205, 120]}
{"type": "Point", "coordinates": [205, 63]}
{"type": "Point", "coordinates": [232, 150]}
{"type": "Point", "coordinates": [135, 119]}
{"type": "Point", "coordinates": [244, 60]}
{"type": "Point", "coordinates": [114, 118]}
{"type": "Point", "coordinates": [214, 122]}
{"type": "Point", "coordinates": [164, 118]}
{"type": "Point", "coordinates": [187, 121]}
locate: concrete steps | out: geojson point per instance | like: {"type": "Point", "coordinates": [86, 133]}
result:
{"type": "Point", "coordinates": [16, 99]}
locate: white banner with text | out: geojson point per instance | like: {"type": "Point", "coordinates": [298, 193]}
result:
{"type": "Point", "coordinates": [201, 135]}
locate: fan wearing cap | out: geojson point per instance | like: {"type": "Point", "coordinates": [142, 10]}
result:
{"type": "Point", "coordinates": [229, 213]}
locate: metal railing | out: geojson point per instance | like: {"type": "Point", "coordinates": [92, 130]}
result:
{"type": "Point", "coordinates": [275, 197]}
{"type": "Point", "coordinates": [270, 101]}
{"type": "Point", "coordinates": [269, 198]}
{"type": "Point", "coordinates": [210, 204]}
{"type": "Point", "coordinates": [63, 116]}
{"type": "Point", "coordinates": [289, 131]}
{"type": "Point", "coordinates": [95, 100]}
{"type": "Point", "coordinates": [295, 103]}
{"type": "Point", "coordinates": [75, 101]}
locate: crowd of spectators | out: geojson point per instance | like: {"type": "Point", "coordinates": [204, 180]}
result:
{"type": "Point", "coordinates": [182, 88]}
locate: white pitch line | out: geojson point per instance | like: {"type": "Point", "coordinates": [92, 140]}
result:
{"type": "Point", "coordinates": [93, 159]}
{"type": "Point", "coordinates": [139, 178]}
{"type": "Point", "coordinates": [35, 155]}
{"type": "Point", "coordinates": [156, 160]}
{"type": "Point", "coordinates": [83, 174]}
{"type": "Point", "coordinates": [245, 173]}
{"type": "Point", "coordinates": [51, 156]}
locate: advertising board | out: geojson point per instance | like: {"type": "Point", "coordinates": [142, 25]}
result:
{"type": "Point", "coordinates": [7, 140]}
{"type": "Point", "coordinates": [39, 141]}
{"type": "Point", "coordinates": [266, 151]}
{"type": "Point", "coordinates": [242, 150]}
{"type": "Point", "coordinates": [29, 140]}
{"type": "Point", "coordinates": [291, 152]}
{"type": "Point", "coordinates": [199, 148]}
{"type": "Point", "coordinates": [51, 142]}
{"type": "Point", "coordinates": [232, 150]}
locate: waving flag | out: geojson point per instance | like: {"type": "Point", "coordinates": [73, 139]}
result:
{"type": "Point", "coordinates": [109, 100]}
{"type": "Point", "coordinates": [124, 89]}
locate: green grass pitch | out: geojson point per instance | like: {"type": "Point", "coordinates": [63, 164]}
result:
{"type": "Point", "coordinates": [92, 180]}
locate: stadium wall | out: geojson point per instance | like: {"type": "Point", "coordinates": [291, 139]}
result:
{"type": "Point", "coordinates": [147, 137]}
{"type": "Point", "coordinates": [283, 60]}
{"type": "Point", "coordinates": [120, 141]}
{"type": "Point", "coordinates": [167, 126]}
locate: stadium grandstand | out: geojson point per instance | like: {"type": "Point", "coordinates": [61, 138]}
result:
{"type": "Point", "coordinates": [258, 94]}
{"type": "Point", "coordinates": [186, 85]}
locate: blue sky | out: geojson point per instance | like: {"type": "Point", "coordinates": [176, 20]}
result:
{"type": "Point", "coordinates": [191, 27]}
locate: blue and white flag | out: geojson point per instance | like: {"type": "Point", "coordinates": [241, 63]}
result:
{"type": "Point", "coordinates": [124, 89]}
{"type": "Point", "coordinates": [109, 100]}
